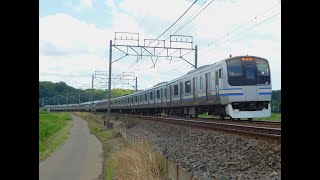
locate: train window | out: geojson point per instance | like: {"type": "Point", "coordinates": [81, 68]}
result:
{"type": "Point", "coordinates": [234, 72]}
{"type": "Point", "coordinates": [234, 67]}
{"type": "Point", "coordinates": [250, 71]}
{"type": "Point", "coordinates": [136, 99]}
{"type": "Point", "coordinates": [158, 94]}
{"type": "Point", "coordinates": [187, 87]}
{"type": "Point", "coordinates": [220, 73]}
{"type": "Point", "coordinates": [262, 66]}
{"type": "Point", "coordinates": [165, 92]}
{"type": "Point", "coordinates": [151, 95]}
{"type": "Point", "coordinates": [128, 100]}
{"type": "Point", "coordinates": [175, 90]}
{"type": "Point", "coordinates": [161, 92]}
{"type": "Point", "coordinates": [146, 97]}
{"type": "Point", "coordinates": [263, 72]}
{"type": "Point", "coordinates": [141, 97]}
{"type": "Point", "coordinates": [201, 83]}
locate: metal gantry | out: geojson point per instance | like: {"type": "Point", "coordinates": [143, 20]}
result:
{"type": "Point", "coordinates": [101, 77]}
{"type": "Point", "coordinates": [129, 44]}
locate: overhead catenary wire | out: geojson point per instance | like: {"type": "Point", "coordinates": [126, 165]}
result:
{"type": "Point", "coordinates": [195, 26]}
{"type": "Point", "coordinates": [174, 22]}
{"type": "Point", "coordinates": [193, 17]}
{"type": "Point", "coordinates": [256, 17]}
{"type": "Point", "coordinates": [240, 33]}
{"type": "Point", "coordinates": [164, 33]}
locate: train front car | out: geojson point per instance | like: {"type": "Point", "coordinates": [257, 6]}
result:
{"type": "Point", "coordinates": [247, 87]}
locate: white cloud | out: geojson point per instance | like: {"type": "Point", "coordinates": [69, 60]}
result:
{"type": "Point", "coordinates": [165, 9]}
{"type": "Point", "coordinates": [111, 3]}
{"type": "Point", "coordinates": [83, 4]}
{"type": "Point", "coordinates": [71, 49]}
{"type": "Point", "coordinates": [67, 33]}
{"type": "Point", "coordinates": [86, 3]}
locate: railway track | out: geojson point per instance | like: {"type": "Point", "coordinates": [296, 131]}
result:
{"type": "Point", "coordinates": [252, 122]}
{"type": "Point", "coordinates": [246, 129]}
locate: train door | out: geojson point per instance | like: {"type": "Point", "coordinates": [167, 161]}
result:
{"type": "Point", "coordinates": [161, 96]}
{"type": "Point", "coordinates": [250, 80]}
{"type": "Point", "coordinates": [207, 85]}
{"type": "Point", "coordinates": [170, 94]}
{"type": "Point", "coordinates": [181, 91]}
{"type": "Point", "coordinates": [217, 86]}
{"type": "Point", "coordinates": [194, 88]}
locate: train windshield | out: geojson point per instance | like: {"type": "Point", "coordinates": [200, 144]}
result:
{"type": "Point", "coordinates": [248, 71]}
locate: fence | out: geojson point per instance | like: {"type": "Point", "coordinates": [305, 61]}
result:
{"type": "Point", "coordinates": [172, 169]}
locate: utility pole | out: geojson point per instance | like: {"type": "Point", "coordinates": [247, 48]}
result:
{"type": "Point", "coordinates": [79, 96]}
{"type": "Point", "coordinates": [109, 92]}
{"type": "Point", "coordinates": [136, 84]}
{"type": "Point", "coordinates": [196, 57]}
{"type": "Point", "coordinates": [92, 91]}
{"type": "Point", "coordinates": [66, 102]}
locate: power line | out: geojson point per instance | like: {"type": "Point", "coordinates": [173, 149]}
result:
{"type": "Point", "coordinates": [175, 21]}
{"type": "Point", "coordinates": [242, 33]}
{"type": "Point", "coordinates": [195, 26]}
{"type": "Point", "coordinates": [194, 17]}
{"type": "Point", "coordinates": [256, 17]}
{"type": "Point", "coordinates": [227, 34]}
{"type": "Point", "coordinates": [165, 32]}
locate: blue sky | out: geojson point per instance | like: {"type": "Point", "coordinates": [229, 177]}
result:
{"type": "Point", "coordinates": [74, 36]}
{"type": "Point", "coordinates": [99, 13]}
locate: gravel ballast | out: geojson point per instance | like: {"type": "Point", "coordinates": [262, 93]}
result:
{"type": "Point", "coordinates": [209, 154]}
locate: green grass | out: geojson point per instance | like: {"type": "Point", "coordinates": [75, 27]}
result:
{"type": "Point", "coordinates": [275, 117]}
{"type": "Point", "coordinates": [110, 169]}
{"type": "Point", "coordinates": [53, 130]}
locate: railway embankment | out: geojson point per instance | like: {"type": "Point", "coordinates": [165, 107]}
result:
{"type": "Point", "coordinates": [209, 154]}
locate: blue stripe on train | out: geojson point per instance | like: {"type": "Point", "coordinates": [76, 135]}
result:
{"type": "Point", "coordinates": [232, 94]}
{"type": "Point", "coordinates": [230, 88]}
{"type": "Point", "coordinates": [265, 93]}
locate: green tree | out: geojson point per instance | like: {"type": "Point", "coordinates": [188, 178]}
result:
{"type": "Point", "coordinates": [57, 93]}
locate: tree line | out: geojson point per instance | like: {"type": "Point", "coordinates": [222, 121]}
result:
{"type": "Point", "coordinates": [276, 101]}
{"type": "Point", "coordinates": [60, 93]}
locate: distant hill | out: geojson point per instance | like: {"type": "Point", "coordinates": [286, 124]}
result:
{"type": "Point", "coordinates": [57, 93]}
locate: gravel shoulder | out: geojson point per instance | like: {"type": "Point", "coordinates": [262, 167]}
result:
{"type": "Point", "coordinates": [208, 154]}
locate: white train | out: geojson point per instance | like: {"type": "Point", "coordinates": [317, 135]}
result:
{"type": "Point", "coordinates": [238, 87]}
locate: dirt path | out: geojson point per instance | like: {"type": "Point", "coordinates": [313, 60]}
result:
{"type": "Point", "coordinates": [79, 158]}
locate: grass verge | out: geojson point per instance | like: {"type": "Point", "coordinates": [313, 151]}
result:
{"type": "Point", "coordinates": [275, 117]}
{"type": "Point", "coordinates": [53, 131]}
{"type": "Point", "coordinates": [141, 162]}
